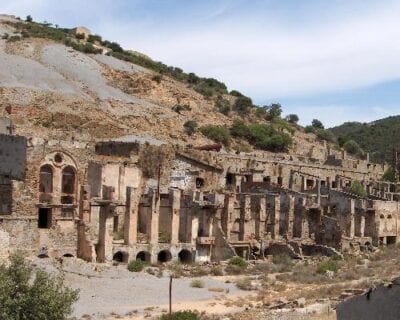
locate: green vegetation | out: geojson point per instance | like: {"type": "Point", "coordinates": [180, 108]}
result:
{"type": "Point", "coordinates": [242, 105]}
{"type": "Point", "coordinates": [389, 175]}
{"type": "Point", "coordinates": [273, 111]}
{"type": "Point", "coordinates": [292, 118]}
{"type": "Point", "coordinates": [238, 262]}
{"type": "Point", "coordinates": [136, 265]}
{"type": "Point", "coordinates": [244, 283]}
{"type": "Point", "coordinates": [29, 294]}
{"type": "Point", "coordinates": [378, 137]}
{"type": "Point", "coordinates": [358, 189]}
{"type": "Point", "coordinates": [178, 108]}
{"type": "Point", "coordinates": [329, 265]}
{"type": "Point", "coordinates": [217, 133]}
{"type": "Point", "coordinates": [319, 130]}
{"type": "Point", "coordinates": [353, 148]}
{"type": "Point", "coordinates": [317, 124]}
{"type": "Point", "coordinates": [223, 105]}
{"type": "Point", "coordinates": [190, 127]}
{"type": "Point", "coordinates": [197, 283]}
{"type": "Point", "coordinates": [181, 315]}
{"type": "Point", "coordinates": [262, 136]}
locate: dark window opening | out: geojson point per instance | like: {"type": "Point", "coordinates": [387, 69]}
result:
{"type": "Point", "coordinates": [144, 256]}
{"type": "Point", "coordinates": [391, 240]}
{"type": "Point", "coordinates": [229, 179]}
{"type": "Point", "coordinates": [121, 257]}
{"type": "Point", "coordinates": [199, 182]}
{"type": "Point", "coordinates": [67, 212]}
{"type": "Point", "coordinates": [323, 183]}
{"type": "Point", "coordinates": [164, 256]}
{"type": "Point", "coordinates": [280, 181]}
{"type": "Point", "coordinates": [267, 179]}
{"type": "Point", "coordinates": [185, 256]}
{"type": "Point", "coordinates": [44, 219]}
{"type": "Point", "coordinates": [309, 183]}
{"type": "Point", "coordinates": [334, 185]}
{"type": "Point", "coordinates": [67, 200]}
{"type": "Point", "coordinates": [46, 179]}
{"type": "Point", "coordinates": [68, 180]}
{"type": "Point", "coordinates": [58, 158]}
{"type": "Point", "coordinates": [68, 255]}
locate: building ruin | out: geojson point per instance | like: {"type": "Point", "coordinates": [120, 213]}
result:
{"type": "Point", "coordinates": [125, 200]}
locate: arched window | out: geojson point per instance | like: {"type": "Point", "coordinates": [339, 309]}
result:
{"type": "Point", "coordinates": [68, 180]}
{"type": "Point", "coordinates": [46, 179]}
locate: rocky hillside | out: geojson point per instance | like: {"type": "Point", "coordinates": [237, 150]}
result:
{"type": "Point", "coordinates": [378, 137]}
{"type": "Point", "coordinates": [58, 85]}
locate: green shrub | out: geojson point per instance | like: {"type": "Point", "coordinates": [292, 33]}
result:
{"type": "Point", "coordinates": [239, 262]}
{"type": "Point", "coordinates": [181, 315]}
{"type": "Point", "coordinates": [292, 118]}
{"type": "Point", "coordinates": [216, 133]}
{"type": "Point", "coordinates": [389, 175]}
{"type": "Point", "coordinates": [190, 127]}
{"type": "Point", "coordinates": [326, 135]}
{"type": "Point", "coordinates": [136, 265]}
{"type": "Point", "coordinates": [178, 108]}
{"type": "Point", "coordinates": [197, 283]}
{"type": "Point", "coordinates": [358, 189]}
{"type": "Point", "coordinates": [242, 105]}
{"type": "Point", "coordinates": [328, 265]}
{"type": "Point", "coordinates": [354, 148]}
{"type": "Point", "coordinates": [273, 111]}
{"type": "Point", "coordinates": [244, 283]}
{"type": "Point", "coordinates": [157, 78]}
{"type": "Point", "coordinates": [282, 259]}
{"type": "Point", "coordinates": [317, 124]}
{"type": "Point", "coordinates": [29, 294]}
{"type": "Point", "coordinates": [223, 105]}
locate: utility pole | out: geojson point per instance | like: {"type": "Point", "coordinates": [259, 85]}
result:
{"type": "Point", "coordinates": [170, 297]}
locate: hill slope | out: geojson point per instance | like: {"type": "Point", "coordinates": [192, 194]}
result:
{"type": "Point", "coordinates": [378, 137]}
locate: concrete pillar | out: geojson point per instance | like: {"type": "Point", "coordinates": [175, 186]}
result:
{"type": "Point", "coordinates": [131, 216]}
{"type": "Point", "coordinates": [229, 209]}
{"type": "Point", "coordinates": [245, 215]}
{"type": "Point", "coordinates": [261, 217]}
{"type": "Point", "coordinates": [351, 217]}
{"type": "Point", "coordinates": [106, 234]}
{"type": "Point", "coordinates": [277, 217]}
{"type": "Point", "coordinates": [175, 198]}
{"type": "Point", "coordinates": [154, 216]}
{"type": "Point", "coordinates": [290, 216]}
{"type": "Point", "coordinates": [362, 226]}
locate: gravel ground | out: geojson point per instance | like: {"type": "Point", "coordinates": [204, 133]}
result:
{"type": "Point", "coordinates": [106, 290]}
{"type": "Point", "coordinates": [117, 64]}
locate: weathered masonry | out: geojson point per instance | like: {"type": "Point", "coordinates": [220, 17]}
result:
{"type": "Point", "coordinates": [114, 200]}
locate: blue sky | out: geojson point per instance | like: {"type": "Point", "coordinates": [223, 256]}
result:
{"type": "Point", "coordinates": [336, 60]}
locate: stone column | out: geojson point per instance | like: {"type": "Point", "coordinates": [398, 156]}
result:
{"type": "Point", "coordinates": [318, 192]}
{"type": "Point", "coordinates": [261, 217]}
{"type": "Point", "coordinates": [290, 216]}
{"type": "Point", "coordinates": [245, 215]}
{"type": "Point", "coordinates": [131, 216]}
{"type": "Point", "coordinates": [351, 217]}
{"type": "Point", "coordinates": [175, 199]}
{"type": "Point", "coordinates": [362, 226]}
{"type": "Point", "coordinates": [84, 203]}
{"type": "Point", "coordinates": [229, 208]}
{"type": "Point", "coordinates": [106, 237]}
{"type": "Point", "coordinates": [277, 217]}
{"type": "Point", "coordinates": [154, 216]}
{"type": "Point", "coordinates": [194, 223]}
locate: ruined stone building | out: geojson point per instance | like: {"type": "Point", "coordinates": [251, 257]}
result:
{"type": "Point", "coordinates": [136, 199]}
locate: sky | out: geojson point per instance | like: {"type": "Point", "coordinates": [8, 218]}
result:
{"type": "Point", "coordinates": [336, 60]}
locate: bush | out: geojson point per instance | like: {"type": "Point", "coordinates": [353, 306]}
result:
{"type": "Point", "coordinates": [181, 107]}
{"type": "Point", "coordinates": [389, 175]}
{"type": "Point", "coordinates": [354, 148]}
{"type": "Point", "coordinates": [244, 284]}
{"type": "Point", "coordinates": [358, 189]}
{"type": "Point", "coordinates": [197, 283]}
{"type": "Point", "coordinates": [190, 127]}
{"type": "Point", "coordinates": [181, 315]}
{"type": "Point", "coordinates": [317, 124]}
{"type": "Point", "coordinates": [273, 111]}
{"type": "Point", "coordinates": [292, 118]}
{"type": "Point", "coordinates": [217, 133]}
{"type": "Point", "coordinates": [242, 105]}
{"type": "Point", "coordinates": [328, 265]}
{"type": "Point", "coordinates": [29, 294]}
{"type": "Point", "coordinates": [136, 265]}
{"type": "Point", "coordinates": [326, 135]}
{"type": "Point", "coordinates": [223, 105]}
{"type": "Point", "coordinates": [239, 262]}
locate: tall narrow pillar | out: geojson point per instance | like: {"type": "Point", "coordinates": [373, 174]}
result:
{"type": "Point", "coordinates": [154, 216]}
{"type": "Point", "coordinates": [245, 215]}
{"type": "Point", "coordinates": [131, 216]}
{"type": "Point", "coordinates": [175, 198]}
{"type": "Point", "coordinates": [277, 217]}
{"type": "Point", "coordinates": [106, 236]}
{"type": "Point", "coordinates": [229, 208]}
{"type": "Point", "coordinates": [261, 217]}
{"type": "Point", "coordinates": [290, 216]}
{"type": "Point", "coordinates": [305, 230]}
{"type": "Point", "coordinates": [351, 217]}
{"type": "Point", "coordinates": [362, 226]}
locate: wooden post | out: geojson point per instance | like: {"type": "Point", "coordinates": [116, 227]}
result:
{"type": "Point", "coordinates": [170, 297]}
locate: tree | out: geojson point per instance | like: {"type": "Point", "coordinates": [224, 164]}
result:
{"type": "Point", "coordinates": [217, 133]}
{"type": "Point", "coordinates": [317, 124]}
{"type": "Point", "coordinates": [353, 147]}
{"type": "Point", "coordinates": [29, 18]}
{"type": "Point", "coordinates": [190, 127]}
{"type": "Point", "coordinates": [242, 105]}
{"type": "Point", "coordinates": [29, 294]}
{"type": "Point", "coordinates": [292, 118]}
{"type": "Point", "coordinates": [358, 189]}
{"type": "Point", "coordinates": [389, 175]}
{"type": "Point", "coordinates": [274, 111]}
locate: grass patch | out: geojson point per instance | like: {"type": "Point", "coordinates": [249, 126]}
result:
{"type": "Point", "coordinates": [244, 283]}
{"type": "Point", "coordinates": [136, 265]}
{"type": "Point", "coordinates": [197, 283]}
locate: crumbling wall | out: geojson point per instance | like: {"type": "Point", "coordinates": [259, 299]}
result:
{"type": "Point", "coordinates": [4, 245]}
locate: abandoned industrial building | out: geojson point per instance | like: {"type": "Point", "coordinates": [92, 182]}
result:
{"type": "Point", "coordinates": [123, 200]}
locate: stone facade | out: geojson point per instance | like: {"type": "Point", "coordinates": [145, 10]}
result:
{"type": "Point", "coordinates": [125, 200]}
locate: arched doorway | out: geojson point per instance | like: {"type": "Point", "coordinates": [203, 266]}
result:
{"type": "Point", "coordinates": [164, 256]}
{"type": "Point", "coordinates": [185, 256]}
{"type": "Point", "coordinates": [120, 256]}
{"type": "Point", "coordinates": [144, 256]}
